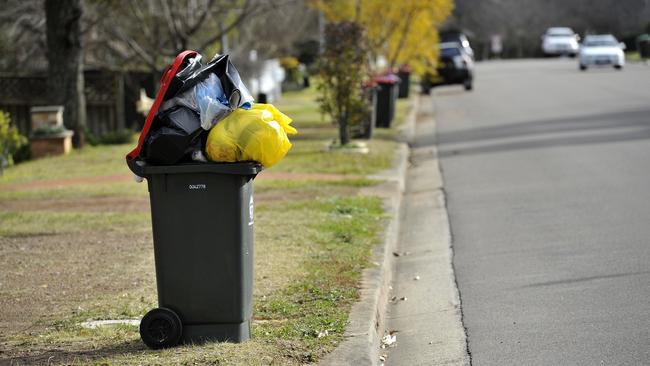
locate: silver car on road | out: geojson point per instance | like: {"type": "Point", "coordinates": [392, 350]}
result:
{"type": "Point", "coordinates": [601, 50]}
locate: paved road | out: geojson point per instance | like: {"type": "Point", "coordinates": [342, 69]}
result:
{"type": "Point", "coordinates": [547, 172]}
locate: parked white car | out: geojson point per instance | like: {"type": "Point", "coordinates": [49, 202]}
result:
{"type": "Point", "coordinates": [601, 50]}
{"type": "Point", "coordinates": [558, 41]}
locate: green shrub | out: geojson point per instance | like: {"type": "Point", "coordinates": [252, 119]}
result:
{"type": "Point", "coordinates": [10, 140]}
{"type": "Point", "coordinates": [342, 68]}
{"type": "Point", "coordinates": [123, 136]}
{"type": "Point", "coordinates": [118, 137]}
{"type": "Point", "coordinates": [48, 130]}
{"type": "Point", "coordinates": [23, 153]}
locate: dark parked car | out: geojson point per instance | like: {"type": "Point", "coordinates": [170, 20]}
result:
{"type": "Point", "coordinates": [457, 37]}
{"type": "Point", "coordinates": [454, 67]}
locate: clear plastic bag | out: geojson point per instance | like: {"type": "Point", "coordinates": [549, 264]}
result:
{"type": "Point", "coordinates": [206, 98]}
{"type": "Point", "coordinates": [258, 134]}
{"type": "Point", "coordinates": [205, 93]}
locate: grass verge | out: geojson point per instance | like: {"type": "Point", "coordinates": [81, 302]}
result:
{"type": "Point", "coordinates": [76, 245]}
{"type": "Point", "coordinates": [312, 254]}
{"type": "Point", "coordinates": [633, 56]}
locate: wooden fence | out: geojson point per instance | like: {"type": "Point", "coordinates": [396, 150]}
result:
{"type": "Point", "coordinates": [110, 99]}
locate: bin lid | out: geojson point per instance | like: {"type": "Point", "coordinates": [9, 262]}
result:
{"type": "Point", "coordinates": [643, 38]}
{"type": "Point", "coordinates": [239, 168]}
{"type": "Point", "coordinates": [405, 69]}
{"type": "Point", "coordinates": [369, 84]}
{"type": "Point", "coordinates": [387, 79]}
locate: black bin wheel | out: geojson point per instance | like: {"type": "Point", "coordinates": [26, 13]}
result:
{"type": "Point", "coordinates": [161, 328]}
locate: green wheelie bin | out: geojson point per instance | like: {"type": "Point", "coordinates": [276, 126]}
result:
{"type": "Point", "coordinates": [202, 219]}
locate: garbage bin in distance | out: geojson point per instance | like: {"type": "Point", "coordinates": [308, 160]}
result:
{"type": "Point", "coordinates": [404, 74]}
{"type": "Point", "coordinates": [386, 99]}
{"type": "Point", "coordinates": [202, 218]}
{"type": "Point", "coordinates": [643, 45]}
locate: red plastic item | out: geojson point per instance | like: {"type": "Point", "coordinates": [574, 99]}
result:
{"type": "Point", "coordinates": [369, 83]}
{"type": "Point", "coordinates": [387, 79]}
{"type": "Point", "coordinates": [170, 71]}
{"type": "Point", "coordinates": [404, 68]}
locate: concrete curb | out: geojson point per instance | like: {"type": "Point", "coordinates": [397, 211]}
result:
{"type": "Point", "coordinates": [429, 325]}
{"type": "Point", "coordinates": [367, 318]}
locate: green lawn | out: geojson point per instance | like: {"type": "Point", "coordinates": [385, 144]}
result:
{"type": "Point", "coordinates": [84, 251]}
{"type": "Point", "coordinates": [633, 56]}
{"type": "Point", "coordinates": [91, 161]}
{"type": "Point", "coordinates": [308, 155]}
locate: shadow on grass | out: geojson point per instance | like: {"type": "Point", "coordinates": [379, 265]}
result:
{"type": "Point", "coordinates": [62, 356]}
{"type": "Point", "coordinates": [30, 234]}
{"type": "Point", "coordinates": [311, 124]}
{"type": "Point", "coordinates": [309, 153]}
{"type": "Point", "coordinates": [384, 134]}
{"type": "Point", "coordinates": [313, 137]}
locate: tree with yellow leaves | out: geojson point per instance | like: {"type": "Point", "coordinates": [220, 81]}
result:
{"type": "Point", "coordinates": [405, 32]}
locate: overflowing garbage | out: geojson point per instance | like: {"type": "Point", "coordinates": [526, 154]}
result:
{"type": "Point", "coordinates": [258, 134]}
{"type": "Point", "coordinates": [204, 112]}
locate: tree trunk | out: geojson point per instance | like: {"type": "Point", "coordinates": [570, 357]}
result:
{"type": "Point", "coordinates": [65, 59]}
{"type": "Point", "coordinates": [344, 132]}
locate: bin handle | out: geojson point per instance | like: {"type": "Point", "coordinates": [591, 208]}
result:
{"type": "Point", "coordinates": [165, 81]}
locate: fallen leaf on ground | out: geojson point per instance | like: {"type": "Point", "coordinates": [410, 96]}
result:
{"type": "Point", "coordinates": [401, 254]}
{"type": "Point", "coordinates": [394, 299]}
{"type": "Point", "coordinates": [389, 340]}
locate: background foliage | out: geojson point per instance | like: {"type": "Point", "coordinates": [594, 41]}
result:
{"type": "Point", "coordinates": [405, 32]}
{"type": "Point", "coordinates": [10, 140]}
{"type": "Point", "coordinates": [342, 68]}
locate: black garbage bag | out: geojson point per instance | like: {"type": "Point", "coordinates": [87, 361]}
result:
{"type": "Point", "coordinates": [233, 87]}
{"type": "Point", "coordinates": [177, 136]}
{"type": "Point", "coordinates": [193, 66]}
{"type": "Point", "coordinates": [176, 132]}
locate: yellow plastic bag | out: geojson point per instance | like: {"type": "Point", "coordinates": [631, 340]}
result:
{"type": "Point", "coordinates": [258, 134]}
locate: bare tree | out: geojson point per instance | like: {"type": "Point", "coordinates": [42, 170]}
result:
{"type": "Point", "coordinates": [65, 70]}
{"type": "Point", "coordinates": [148, 33]}
{"type": "Point", "coordinates": [145, 34]}
{"type": "Point", "coordinates": [22, 34]}
{"type": "Point", "coordinates": [137, 35]}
